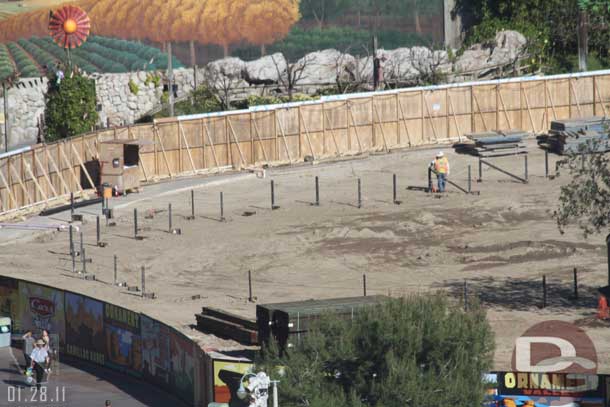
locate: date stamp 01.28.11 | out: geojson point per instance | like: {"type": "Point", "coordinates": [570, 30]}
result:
{"type": "Point", "coordinates": [45, 396]}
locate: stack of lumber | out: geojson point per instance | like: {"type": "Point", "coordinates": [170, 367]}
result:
{"type": "Point", "coordinates": [496, 143]}
{"type": "Point", "coordinates": [568, 136]}
{"type": "Point", "coordinates": [289, 320]}
{"type": "Point", "coordinates": [226, 325]}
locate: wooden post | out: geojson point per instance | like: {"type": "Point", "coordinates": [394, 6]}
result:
{"type": "Point", "coordinates": [324, 152]}
{"type": "Point", "coordinates": [398, 141]}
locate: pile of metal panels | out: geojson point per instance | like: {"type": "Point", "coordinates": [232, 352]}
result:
{"type": "Point", "coordinates": [288, 321]}
{"type": "Point", "coordinates": [568, 136]}
{"type": "Point", "coordinates": [496, 143]}
{"type": "Point", "coordinates": [226, 325]}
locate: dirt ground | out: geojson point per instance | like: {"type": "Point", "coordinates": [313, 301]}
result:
{"type": "Point", "coordinates": [500, 243]}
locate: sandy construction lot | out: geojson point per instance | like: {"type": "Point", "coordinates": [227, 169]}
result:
{"type": "Point", "coordinates": [501, 243]}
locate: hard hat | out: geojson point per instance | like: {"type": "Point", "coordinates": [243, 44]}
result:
{"type": "Point", "coordinates": [440, 154]}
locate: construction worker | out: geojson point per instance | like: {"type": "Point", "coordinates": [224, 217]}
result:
{"type": "Point", "coordinates": [441, 167]}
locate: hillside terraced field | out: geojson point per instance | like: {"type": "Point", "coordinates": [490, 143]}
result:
{"type": "Point", "coordinates": [31, 57]}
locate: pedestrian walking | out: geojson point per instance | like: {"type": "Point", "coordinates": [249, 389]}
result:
{"type": "Point", "coordinates": [28, 347]}
{"type": "Point", "coordinates": [441, 168]}
{"type": "Point", "coordinates": [40, 361]}
{"type": "Point", "coordinates": [49, 346]}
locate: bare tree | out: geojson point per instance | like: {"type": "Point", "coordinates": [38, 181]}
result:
{"type": "Point", "coordinates": [351, 77]}
{"type": "Point", "coordinates": [290, 74]}
{"type": "Point", "coordinates": [221, 84]}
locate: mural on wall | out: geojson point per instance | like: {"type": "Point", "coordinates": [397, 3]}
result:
{"type": "Point", "coordinates": [155, 351]}
{"type": "Point", "coordinates": [85, 328]}
{"type": "Point", "coordinates": [123, 340]}
{"type": "Point", "coordinates": [182, 366]}
{"type": "Point", "coordinates": [42, 308]}
{"type": "Point", "coordinates": [227, 376]}
{"type": "Point", "coordinates": [9, 300]}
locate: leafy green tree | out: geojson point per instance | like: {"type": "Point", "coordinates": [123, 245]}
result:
{"type": "Point", "coordinates": [419, 352]}
{"type": "Point", "coordinates": [586, 199]}
{"type": "Point", "coordinates": [70, 106]}
{"type": "Point", "coordinates": [322, 10]}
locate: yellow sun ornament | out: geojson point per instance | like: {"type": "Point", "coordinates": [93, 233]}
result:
{"type": "Point", "coordinates": [69, 26]}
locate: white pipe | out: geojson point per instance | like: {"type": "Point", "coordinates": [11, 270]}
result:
{"type": "Point", "coordinates": [41, 227]}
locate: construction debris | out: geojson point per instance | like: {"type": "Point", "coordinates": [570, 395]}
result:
{"type": "Point", "coordinates": [572, 135]}
{"type": "Point", "coordinates": [494, 143]}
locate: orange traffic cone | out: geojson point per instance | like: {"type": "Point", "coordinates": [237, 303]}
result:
{"type": "Point", "coordinates": [603, 312]}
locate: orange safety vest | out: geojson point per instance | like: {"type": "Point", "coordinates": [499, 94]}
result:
{"type": "Point", "coordinates": [441, 165]}
{"type": "Point", "coordinates": [603, 312]}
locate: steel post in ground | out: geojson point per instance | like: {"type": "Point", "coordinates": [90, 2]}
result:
{"type": "Point", "coordinates": [143, 281]}
{"type": "Point", "coordinates": [575, 283]}
{"type": "Point", "coordinates": [317, 191]}
{"type": "Point", "coordinates": [71, 205]}
{"type": "Point", "coordinates": [273, 206]}
{"type": "Point", "coordinates": [364, 284]}
{"type": "Point", "coordinates": [222, 208]}
{"type": "Point", "coordinates": [394, 188]}
{"type": "Point", "coordinates": [359, 193]}
{"type": "Point", "coordinates": [543, 291]}
{"type": "Point", "coordinates": [429, 179]}
{"type": "Point", "coordinates": [169, 211]}
{"type": "Point", "coordinates": [250, 285]}
{"type": "Point", "coordinates": [71, 241]}
{"type": "Point", "coordinates": [469, 180]}
{"type": "Point", "coordinates": [480, 170]}
{"type": "Point", "coordinates": [135, 223]}
{"type": "Point", "coordinates": [526, 169]}
{"type": "Point", "coordinates": [192, 204]}
{"type": "Point", "coordinates": [546, 163]}
{"type": "Point", "coordinates": [82, 243]}
{"type": "Point", "coordinates": [97, 229]}
{"type": "Point", "coordinates": [115, 270]}
{"type": "Point", "coordinates": [84, 260]}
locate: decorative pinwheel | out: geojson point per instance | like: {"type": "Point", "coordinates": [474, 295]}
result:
{"type": "Point", "coordinates": [69, 26]}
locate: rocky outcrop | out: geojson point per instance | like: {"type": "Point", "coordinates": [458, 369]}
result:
{"type": "Point", "coordinates": [122, 104]}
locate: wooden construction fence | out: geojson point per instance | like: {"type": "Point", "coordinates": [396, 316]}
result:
{"type": "Point", "coordinates": [333, 126]}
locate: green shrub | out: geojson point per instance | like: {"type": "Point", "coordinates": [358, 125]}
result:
{"type": "Point", "coordinates": [70, 106]}
{"type": "Point", "coordinates": [133, 88]}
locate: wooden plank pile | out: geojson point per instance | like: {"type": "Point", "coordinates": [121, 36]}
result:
{"type": "Point", "coordinates": [288, 321]}
{"type": "Point", "coordinates": [226, 325]}
{"type": "Point", "coordinates": [568, 136]}
{"type": "Point", "coordinates": [495, 143]}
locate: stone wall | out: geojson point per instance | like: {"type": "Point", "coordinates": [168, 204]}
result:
{"type": "Point", "coordinates": [121, 104]}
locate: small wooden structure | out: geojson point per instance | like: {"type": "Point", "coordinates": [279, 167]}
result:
{"type": "Point", "coordinates": [119, 164]}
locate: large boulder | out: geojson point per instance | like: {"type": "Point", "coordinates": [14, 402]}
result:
{"type": "Point", "coordinates": [323, 67]}
{"type": "Point", "coordinates": [510, 45]}
{"type": "Point", "coordinates": [473, 59]}
{"type": "Point", "coordinates": [264, 71]}
{"type": "Point", "coordinates": [231, 67]}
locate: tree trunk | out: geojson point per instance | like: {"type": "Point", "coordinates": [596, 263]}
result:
{"type": "Point", "coordinates": [193, 54]}
{"type": "Point", "coordinates": [417, 22]}
{"type": "Point", "coordinates": [359, 19]}
{"type": "Point", "coordinates": [170, 78]}
{"type": "Point", "coordinates": [164, 46]}
{"type": "Point", "coordinates": [225, 50]}
{"type": "Point", "coordinates": [583, 39]}
{"type": "Point", "coordinates": [263, 50]}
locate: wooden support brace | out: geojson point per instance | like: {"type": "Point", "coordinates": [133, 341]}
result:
{"type": "Point", "coordinates": [480, 112]}
{"type": "Point", "coordinates": [188, 149]}
{"type": "Point", "coordinates": [529, 112]}
{"type": "Point", "coordinates": [31, 174]}
{"type": "Point", "coordinates": [430, 117]}
{"type": "Point", "coordinates": [508, 121]}
{"type": "Point", "coordinates": [156, 132]}
{"type": "Point", "coordinates": [552, 103]}
{"type": "Point", "coordinates": [573, 89]}
{"type": "Point", "coordinates": [283, 134]}
{"type": "Point", "coordinates": [349, 108]}
{"type": "Point", "coordinates": [207, 132]}
{"type": "Point", "coordinates": [404, 122]}
{"type": "Point", "coordinates": [46, 177]}
{"type": "Point", "coordinates": [69, 164]}
{"type": "Point", "coordinates": [66, 189]}
{"type": "Point", "coordinates": [457, 125]}
{"type": "Point", "coordinates": [23, 188]}
{"type": "Point", "coordinates": [332, 133]}
{"type": "Point", "coordinates": [385, 143]}
{"type": "Point", "coordinates": [8, 189]}
{"type": "Point", "coordinates": [82, 165]}
{"type": "Point", "coordinates": [307, 136]}
{"type": "Point", "coordinates": [260, 141]}
{"type": "Point", "coordinates": [600, 99]}
{"type": "Point", "coordinates": [241, 155]}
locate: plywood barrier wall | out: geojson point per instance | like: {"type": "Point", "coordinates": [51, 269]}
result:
{"type": "Point", "coordinates": [341, 125]}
